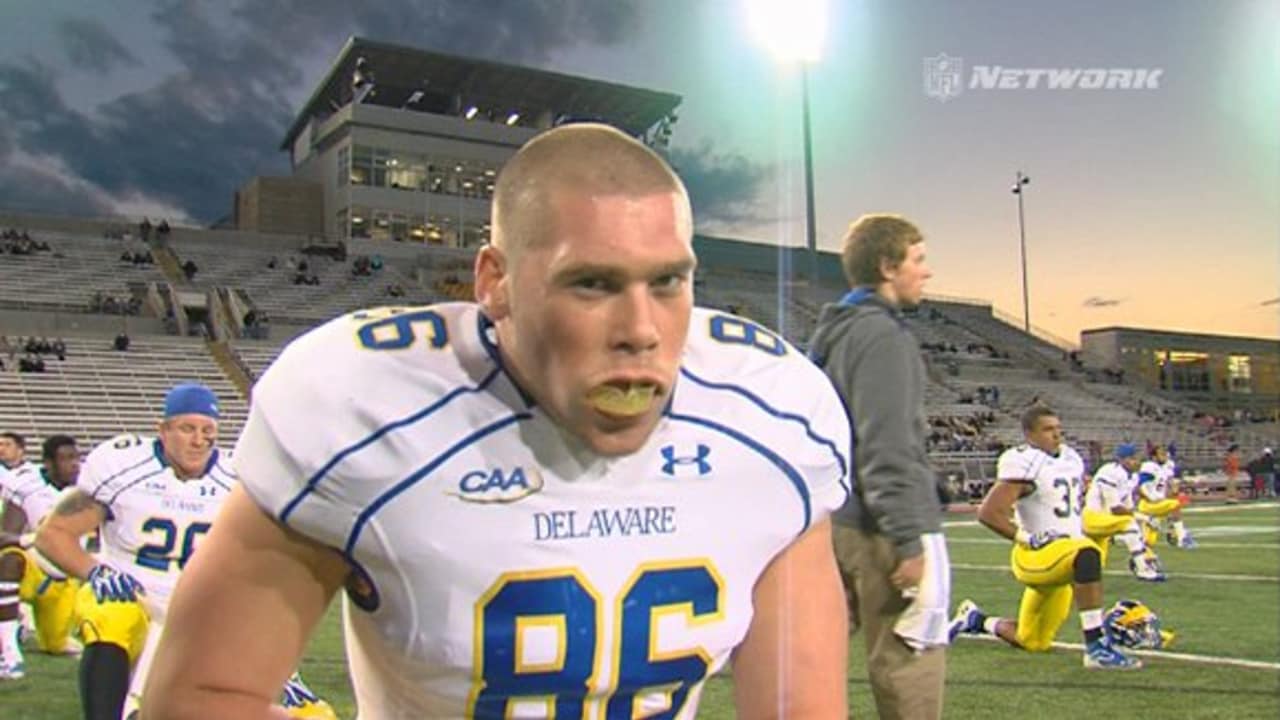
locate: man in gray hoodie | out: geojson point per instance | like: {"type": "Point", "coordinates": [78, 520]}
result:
{"type": "Point", "coordinates": [888, 537]}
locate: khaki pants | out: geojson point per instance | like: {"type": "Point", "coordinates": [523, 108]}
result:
{"type": "Point", "coordinates": [906, 686]}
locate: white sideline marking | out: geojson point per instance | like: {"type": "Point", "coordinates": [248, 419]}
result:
{"type": "Point", "coordinates": [1125, 573]}
{"type": "Point", "coordinates": [1164, 654]}
{"type": "Point", "coordinates": [1002, 541]}
{"type": "Point", "coordinates": [1191, 510]}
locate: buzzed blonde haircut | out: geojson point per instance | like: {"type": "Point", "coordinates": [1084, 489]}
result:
{"type": "Point", "coordinates": [586, 158]}
{"type": "Point", "coordinates": [872, 239]}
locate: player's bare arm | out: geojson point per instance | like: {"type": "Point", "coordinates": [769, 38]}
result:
{"type": "Point", "coordinates": [12, 522]}
{"type": "Point", "coordinates": [252, 579]}
{"type": "Point", "coordinates": [996, 511]}
{"type": "Point", "coordinates": [800, 608]}
{"type": "Point", "coordinates": [58, 538]}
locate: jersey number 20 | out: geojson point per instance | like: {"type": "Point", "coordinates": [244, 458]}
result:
{"type": "Point", "coordinates": [159, 555]}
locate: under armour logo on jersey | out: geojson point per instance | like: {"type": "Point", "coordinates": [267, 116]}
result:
{"type": "Point", "coordinates": [672, 461]}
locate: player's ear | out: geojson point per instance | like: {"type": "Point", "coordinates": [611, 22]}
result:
{"type": "Point", "coordinates": [888, 269]}
{"type": "Point", "coordinates": [492, 282]}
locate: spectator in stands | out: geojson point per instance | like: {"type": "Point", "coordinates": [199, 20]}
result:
{"type": "Point", "coordinates": [31, 363]}
{"type": "Point", "coordinates": [144, 229]}
{"type": "Point", "coordinates": [121, 343]}
{"type": "Point", "coordinates": [375, 262]}
{"type": "Point", "coordinates": [162, 232]}
{"type": "Point", "coordinates": [1231, 467]}
{"type": "Point", "coordinates": [272, 263]}
{"type": "Point", "coordinates": [190, 269]}
{"type": "Point", "coordinates": [60, 349]}
{"type": "Point", "coordinates": [1263, 471]}
{"type": "Point", "coordinates": [888, 537]}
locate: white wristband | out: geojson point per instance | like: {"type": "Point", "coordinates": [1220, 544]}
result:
{"type": "Point", "coordinates": [1022, 537]}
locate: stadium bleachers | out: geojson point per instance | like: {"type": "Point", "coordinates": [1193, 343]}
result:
{"type": "Point", "coordinates": [97, 392]}
{"type": "Point", "coordinates": [65, 278]}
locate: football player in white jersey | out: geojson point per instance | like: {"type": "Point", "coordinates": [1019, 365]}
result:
{"type": "Point", "coordinates": [26, 497]}
{"type": "Point", "coordinates": [13, 452]}
{"type": "Point", "coordinates": [153, 500]}
{"type": "Point", "coordinates": [579, 497]}
{"type": "Point", "coordinates": [1155, 483]}
{"type": "Point", "coordinates": [1109, 513]}
{"type": "Point", "coordinates": [1036, 502]}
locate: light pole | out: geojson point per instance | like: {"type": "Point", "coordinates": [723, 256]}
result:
{"type": "Point", "coordinates": [810, 223]}
{"type": "Point", "coordinates": [793, 31]}
{"type": "Point", "coordinates": [1020, 181]}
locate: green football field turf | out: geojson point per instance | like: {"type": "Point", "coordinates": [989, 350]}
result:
{"type": "Point", "coordinates": [1223, 600]}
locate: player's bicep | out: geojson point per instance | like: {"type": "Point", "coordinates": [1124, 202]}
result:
{"type": "Point", "coordinates": [998, 504]}
{"type": "Point", "coordinates": [76, 513]}
{"type": "Point", "coordinates": [13, 519]}
{"type": "Point", "coordinates": [251, 579]}
{"type": "Point", "coordinates": [794, 659]}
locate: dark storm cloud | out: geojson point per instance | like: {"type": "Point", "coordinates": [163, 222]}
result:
{"type": "Point", "coordinates": [26, 190]}
{"type": "Point", "coordinates": [91, 46]}
{"type": "Point", "coordinates": [216, 117]}
{"type": "Point", "coordinates": [722, 187]}
{"type": "Point", "coordinates": [1101, 302]}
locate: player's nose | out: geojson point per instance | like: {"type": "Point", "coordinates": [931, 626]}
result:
{"type": "Point", "coordinates": [635, 320]}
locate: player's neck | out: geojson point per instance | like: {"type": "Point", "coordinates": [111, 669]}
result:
{"type": "Point", "coordinates": [888, 294]}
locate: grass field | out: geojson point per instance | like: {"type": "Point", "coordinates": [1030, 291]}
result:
{"type": "Point", "coordinates": [1223, 599]}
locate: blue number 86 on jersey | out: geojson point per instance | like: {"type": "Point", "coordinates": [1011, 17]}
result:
{"type": "Point", "coordinates": [563, 602]}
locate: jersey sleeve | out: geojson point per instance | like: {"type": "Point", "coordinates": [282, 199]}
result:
{"type": "Point", "coordinates": [746, 377]}
{"type": "Point", "coordinates": [109, 465]}
{"type": "Point", "coordinates": [283, 454]}
{"type": "Point", "coordinates": [1015, 465]}
{"type": "Point", "coordinates": [28, 491]}
{"type": "Point", "coordinates": [827, 464]}
{"type": "Point", "coordinates": [1111, 489]}
{"type": "Point", "coordinates": [313, 453]}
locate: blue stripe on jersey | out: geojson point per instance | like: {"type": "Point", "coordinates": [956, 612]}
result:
{"type": "Point", "coordinates": [422, 472]}
{"type": "Point", "coordinates": [792, 474]}
{"type": "Point", "coordinates": [119, 492]}
{"type": "Point", "coordinates": [131, 468]}
{"type": "Point", "coordinates": [808, 430]}
{"type": "Point", "coordinates": [376, 435]}
{"type": "Point", "coordinates": [225, 484]}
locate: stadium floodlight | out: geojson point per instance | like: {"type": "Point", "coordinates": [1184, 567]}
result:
{"type": "Point", "coordinates": [794, 31]}
{"type": "Point", "coordinates": [471, 112]}
{"type": "Point", "coordinates": [1020, 181]}
{"type": "Point", "coordinates": [513, 118]}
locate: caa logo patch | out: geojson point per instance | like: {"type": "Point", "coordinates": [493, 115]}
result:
{"type": "Point", "coordinates": [498, 486]}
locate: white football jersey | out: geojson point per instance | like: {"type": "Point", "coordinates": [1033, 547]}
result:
{"type": "Point", "coordinates": [505, 571]}
{"type": "Point", "coordinates": [1155, 479]}
{"type": "Point", "coordinates": [27, 489]}
{"type": "Point", "coordinates": [154, 520]}
{"type": "Point", "coordinates": [1055, 501]}
{"type": "Point", "coordinates": [1112, 486]}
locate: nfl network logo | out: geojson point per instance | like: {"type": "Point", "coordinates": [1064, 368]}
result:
{"type": "Point", "coordinates": [942, 77]}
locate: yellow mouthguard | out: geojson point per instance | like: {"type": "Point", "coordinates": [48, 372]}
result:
{"type": "Point", "coordinates": [635, 400]}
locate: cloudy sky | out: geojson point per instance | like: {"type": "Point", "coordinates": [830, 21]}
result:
{"type": "Point", "coordinates": [1157, 207]}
